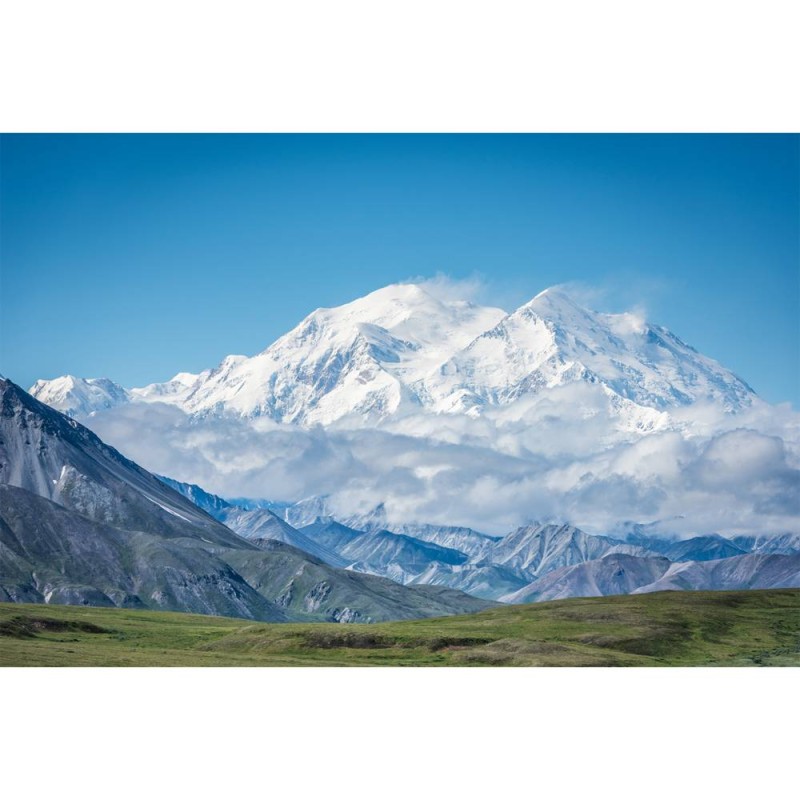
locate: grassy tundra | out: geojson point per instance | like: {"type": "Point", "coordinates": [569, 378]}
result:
{"type": "Point", "coordinates": [744, 628]}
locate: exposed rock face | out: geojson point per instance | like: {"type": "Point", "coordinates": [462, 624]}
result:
{"type": "Point", "coordinates": [347, 615]}
{"type": "Point", "coordinates": [315, 596]}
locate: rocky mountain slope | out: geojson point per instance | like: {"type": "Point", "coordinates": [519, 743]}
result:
{"type": "Point", "coordinates": [623, 574]}
{"type": "Point", "coordinates": [53, 555]}
{"type": "Point", "coordinates": [81, 524]}
{"type": "Point", "coordinates": [59, 459]}
{"type": "Point", "coordinates": [542, 561]}
{"type": "Point", "coordinates": [473, 543]}
{"type": "Point", "coordinates": [616, 573]}
{"type": "Point", "coordinates": [260, 524]}
{"type": "Point", "coordinates": [784, 544]}
{"type": "Point", "coordinates": [535, 550]}
{"type": "Point", "coordinates": [750, 571]}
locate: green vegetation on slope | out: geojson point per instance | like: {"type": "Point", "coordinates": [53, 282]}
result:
{"type": "Point", "coordinates": [743, 628]}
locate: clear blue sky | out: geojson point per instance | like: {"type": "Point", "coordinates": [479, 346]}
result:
{"type": "Point", "coordinates": [135, 257]}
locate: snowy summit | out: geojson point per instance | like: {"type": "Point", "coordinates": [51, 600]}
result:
{"type": "Point", "coordinates": [400, 350]}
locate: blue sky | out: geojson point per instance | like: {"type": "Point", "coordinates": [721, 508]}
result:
{"type": "Point", "coordinates": [135, 257]}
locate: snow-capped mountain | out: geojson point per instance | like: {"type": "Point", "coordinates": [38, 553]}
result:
{"type": "Point", "coordinates": [461, 416]}
{"type": "Point", "coordinates": [783, 544]}
{"type": "Point", "coordinates": [361, 359]}
{"type": "Point", "coordinates": [313, 512]}
{"type": "Point", "coordinates": [475, 544]}
{"type": "Point", "coordinates": [174, 391]}
{"type": "Point", "coordinates": [79, 396]}
{"type": "Point", "coordinates": [551, 341]}
{"type": "Point", "coordinates": [400, 350]}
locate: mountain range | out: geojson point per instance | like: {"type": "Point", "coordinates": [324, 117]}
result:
{"type": "Point", "coordinates": [535, 562]}
{"type": "Point", "coordinates": [83, 525]}
{"type": "Point", "coordinates": [400, 350]}
{"type": "Point", "coordinates": [443, 412]}
{"type": "Point", "coordinates": [421, 441]}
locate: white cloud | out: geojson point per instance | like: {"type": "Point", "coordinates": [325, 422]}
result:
{"type": "Point", "coordinates": [444, 287]}
{"type": "Point", "coordinates": [727, 474]}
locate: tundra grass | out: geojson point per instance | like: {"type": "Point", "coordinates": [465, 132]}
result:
{"type": "Point", "coordinates": [746, 628]}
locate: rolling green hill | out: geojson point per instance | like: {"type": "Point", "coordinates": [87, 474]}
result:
{"type": "Point", "coordinates": [745, 628]}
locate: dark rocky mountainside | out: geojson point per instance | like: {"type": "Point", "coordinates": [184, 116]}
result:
{"type": "Point", "coordinates": [82, 524]}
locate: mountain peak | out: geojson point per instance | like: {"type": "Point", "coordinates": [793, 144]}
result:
{"type": "Point", "coordinates": [67, 381]}
{"type": "Point", "coordinates": [558, 305]}
{"type": "Point", "coordinates": [401, 349]}
{"type": "Point", "coordinates": [387, 307]}
{"type": "Point", "coordinates": [553, 293]}
{"type": "Point", "coordinates": [399, 292]}
{"type": "Point", "coordinates": [79, 396]}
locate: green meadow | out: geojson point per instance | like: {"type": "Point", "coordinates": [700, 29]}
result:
{"type": "Point", "coordinates": [745, 628]}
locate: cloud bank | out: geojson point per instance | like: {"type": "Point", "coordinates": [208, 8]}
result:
{"type": "Point", "coordinates": [565, 457]}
